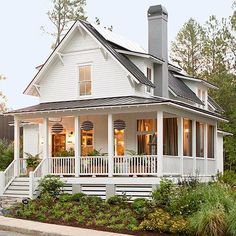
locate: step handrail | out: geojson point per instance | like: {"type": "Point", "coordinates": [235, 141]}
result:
{"type": "Point", "coordinates": [9, 174]}
{"type": "Point", "coordinates": [34, 175]}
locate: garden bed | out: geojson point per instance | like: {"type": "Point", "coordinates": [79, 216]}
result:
{"type": "Point", "coordinates": [190, 208]}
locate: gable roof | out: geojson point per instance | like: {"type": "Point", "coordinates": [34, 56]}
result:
{"type": "Point", "coordinates": [109, 46]}
{"type": "Point", "coordinates": [181, 89]}
{"type": "Point", "coordinates": [129, 65]}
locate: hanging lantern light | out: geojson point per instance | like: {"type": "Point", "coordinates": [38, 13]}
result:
{"type": "Point", "coordinates": [87, 125]}
{"type": "Point", "coordinates": [119, 124]}
{"type": "Point", "coordinates": [57, 128]}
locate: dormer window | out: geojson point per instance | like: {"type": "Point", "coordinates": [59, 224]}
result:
{"type": "Point", "coordinates": [85, 80]}
{"type": "Point", "coordinates": [149, 76]}
{"type": "Point", "coordinates": [202, 96]}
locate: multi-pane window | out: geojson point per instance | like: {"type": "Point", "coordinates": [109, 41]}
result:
{"type": "Point", "coordinates": [210, 137]}
{"type": "Point", "coordinates": [85, 82]}
{"type": "Point", "coordinates": [149, 76]}
{"type": "Point", "coordinates": [187, 133]}
{"type": "Point", "coordinates": [199, 139]}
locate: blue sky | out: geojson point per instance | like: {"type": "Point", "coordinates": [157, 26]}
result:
{"type": "Point", "coordinates": [23, 45]}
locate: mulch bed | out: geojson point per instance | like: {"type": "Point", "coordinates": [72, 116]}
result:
{"type": "Point", "coordinates": [100, 228]}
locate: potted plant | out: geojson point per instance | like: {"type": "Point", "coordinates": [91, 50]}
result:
{"type": "Point", "coordinates": [32, 162]}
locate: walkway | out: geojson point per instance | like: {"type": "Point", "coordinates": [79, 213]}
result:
{"type": "Point", "coordinates": [42, 229]}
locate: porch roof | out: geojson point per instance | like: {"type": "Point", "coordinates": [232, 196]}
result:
{"type": "Point", "coordinates": [111, 102]}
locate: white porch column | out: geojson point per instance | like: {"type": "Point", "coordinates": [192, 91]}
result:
{"type": "Point", "coordinates": [110, 145]}
{"type": "Point", "coordinates": [180, 144]}
{"type": "Point", "coordinates": [216, 148]}
{"type": "Point", "coordinates": [194, 147]}
{"type": "Point", "coordinates": [45, 145]}
{"type": "Point", "coordinates": [17, 146]}
{"type": "Point", "coordinates": [205, 150]}
{"type": "Point", "coordinates": [160, 143]}
{"type": "Point", "coordinates": [77, 145]}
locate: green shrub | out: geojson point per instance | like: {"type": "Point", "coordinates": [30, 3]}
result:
{"type": "Point", "coordinates": [162, 222]}
{"type": "Point", "coordinates": [65, 197]}
{"type": "Point", "coordinates": [116, 200]}
{"type": "Point", "coordinates": [142, 207]}
{"type": "Point", "coordinates": [161, 196]}
{"type": "Point", "coordinates": [228, 177]}
{"type": "Point", "coordinates": [6, 153]}
{"type": "Point", "coordinates": [77, 197]}
{"type": "Point", "coordinates": [117, 218]}
{"type": "Point", "coordinates": [51, 185]}
{"type": "Point", "coordinates": [209, 221]}
{"type": "Point", "coordinates": [185, 200]}
{"type": "Point", "coordinates": [231, 221]}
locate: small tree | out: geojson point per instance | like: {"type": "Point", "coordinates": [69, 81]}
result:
{"type": "Point", "coordinates": [63, 14]}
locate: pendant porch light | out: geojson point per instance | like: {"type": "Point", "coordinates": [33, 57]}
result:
{"type": "Point", "coordinates": [57, 128]}
{"type": "Point", "coordinates": [119, 124]}
{"type": "Point", "coordinates": [87, 125]}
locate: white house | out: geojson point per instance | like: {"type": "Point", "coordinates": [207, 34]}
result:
{"type": "Point", "coordinates": [99, 91]}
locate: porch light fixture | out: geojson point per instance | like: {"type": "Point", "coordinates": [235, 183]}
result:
{"type": "Point", "coordinates": [119, 124]}
{"type": "Point", "coordinates": [57, 128]}
{"type": "Point", "coordinates": [87, 125]}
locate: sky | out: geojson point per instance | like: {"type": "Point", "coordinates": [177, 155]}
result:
{"type": "Point", "coordinates": [23, 45]}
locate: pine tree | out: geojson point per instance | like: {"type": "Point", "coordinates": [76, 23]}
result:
{"type": "Point", "coordinates": [186, 50]}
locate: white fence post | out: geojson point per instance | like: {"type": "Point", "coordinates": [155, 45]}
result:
{"type": "Point", "coordinates": [2, 183]}
{"type": "Point", "coordinates": [31, 185]}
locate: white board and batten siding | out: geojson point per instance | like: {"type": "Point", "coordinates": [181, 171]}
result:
{"type": "Point", "coordinates": [61, 81]}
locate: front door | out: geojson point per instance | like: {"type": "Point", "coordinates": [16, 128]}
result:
{"type": "Point", "coordinates": [58, 144]}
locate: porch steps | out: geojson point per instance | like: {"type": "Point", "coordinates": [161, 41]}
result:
{"type": "Point", "coordinates": [18, 188]}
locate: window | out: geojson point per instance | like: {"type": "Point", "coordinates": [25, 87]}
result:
{"type": "Point", "coordinates": [149, 76]}
{"type": "Point", "coordinates": [87, 142]}
{"type": "Point", "coordinates": [146, 137]}
{"type": "Point", "coordinates": [210, 135]}
{"type": "Point", "coordinates": [199, 139]}
{"type": "Point", "coordinates": [119, 142]}
{"type": "Point", "coordinates": [85, 82]}
{"type": "Point", "coordinates": [187, 133]}
{"type": "Point", "coordinates": [202, 96]}
{"type": "Point", "coordinates": [170, 136]}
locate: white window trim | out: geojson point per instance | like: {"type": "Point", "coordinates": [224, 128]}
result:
{"type": "Point", "coordinates": [152, 76]}
{"type": "Point", "coordinates": [78, 80]}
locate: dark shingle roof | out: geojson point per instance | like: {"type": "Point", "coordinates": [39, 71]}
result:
{"type": "Point", "coordinates": [215, 105]}
{"type": "Point", "coordinates": [130, 66]}
{"type": "Point", "coordinates": [182, 90]}
{"type": "Point", "coordinates": [106, 102]}
{"type": "Point", "coordinates": [89, 103]}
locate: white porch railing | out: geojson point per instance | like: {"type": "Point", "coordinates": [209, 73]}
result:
{"type": "Point", "coordinates": [94, 165]}
{"type": "Point", "coordinates": [22, 166]}
{"type": "Point", "coordinates": [135, 165]}
{"type": "Point", "coordinates": [9, 174]}
{"type": "Point", "coordinates": [36, 175]}
{"type": "Point", "coordinates": [61, 165]}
